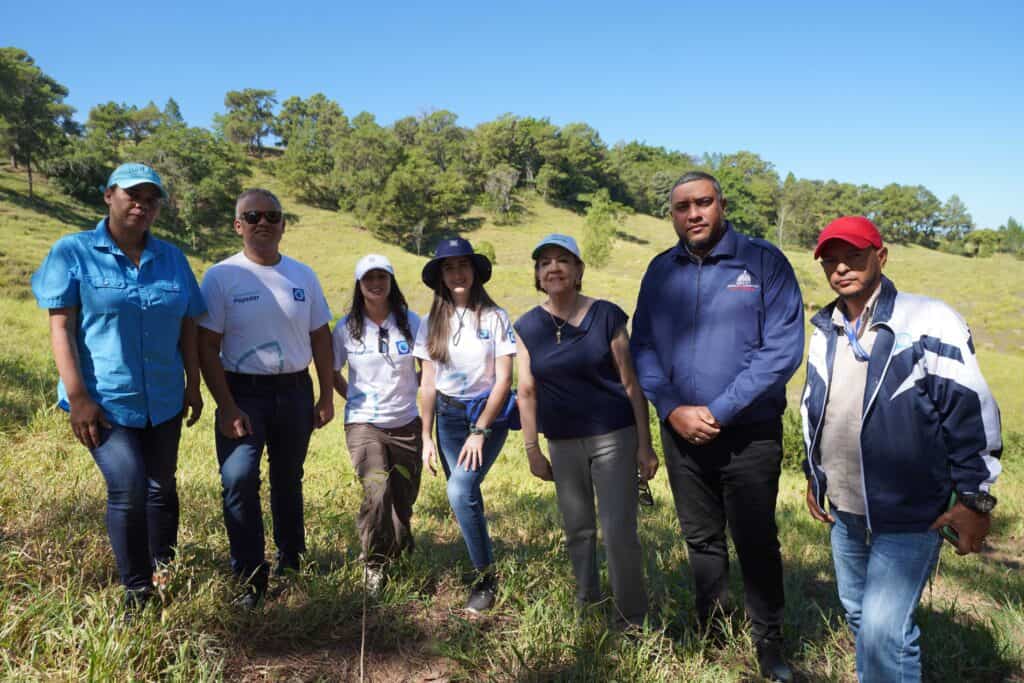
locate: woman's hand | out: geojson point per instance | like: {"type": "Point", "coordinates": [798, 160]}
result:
{"type": "Point", "coordinates": [429, 454]}
{"type": "Point", "coordinates": [86, 419]}
{"type": "Point", "coordinates": [540, 467]}
{"type": "Point", "coordinates": [647, 461]}
{"type": "Point", "coordinates": [471, 457]}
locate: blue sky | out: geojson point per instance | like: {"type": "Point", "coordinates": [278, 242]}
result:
{"type": "Point", "coordinates": [927, 93]}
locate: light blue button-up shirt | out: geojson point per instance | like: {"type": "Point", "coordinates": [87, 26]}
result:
{"type": "Point", "coordinates": [128, 323]}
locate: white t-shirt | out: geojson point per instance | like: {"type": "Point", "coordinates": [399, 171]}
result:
{"type": "Point", "coordinates": [265, 314]}
{"type": "Point", "coordinates": [470, 369]}
{"type": "Point", "coordinates": [381, 386]}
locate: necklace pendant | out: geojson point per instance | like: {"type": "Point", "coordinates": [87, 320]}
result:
{"type": "Point", "coordinates": [558, 336]}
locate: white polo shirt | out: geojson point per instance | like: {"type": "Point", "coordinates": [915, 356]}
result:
{"type": "Point", "coordinates": [470, 370]}
{"type": "Point", "coordinates": [265, 314]}
{"type": "Point", "coordinates": [381, 386]}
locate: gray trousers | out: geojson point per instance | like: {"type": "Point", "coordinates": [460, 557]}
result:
{"type": "Point", "coordinates": [605, 463]}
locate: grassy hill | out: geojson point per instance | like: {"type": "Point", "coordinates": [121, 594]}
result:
{"type": "Point", "coordinates": [58, 586]}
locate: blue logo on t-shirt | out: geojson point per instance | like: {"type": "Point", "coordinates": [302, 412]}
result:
{"type": "Point", "coordinates": [299, 294]}
{"type": "Point", "coordinates": [484, 334]}
{"type": "Point", "coordinates": [403, 347]}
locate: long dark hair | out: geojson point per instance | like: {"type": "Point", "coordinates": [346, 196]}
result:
{"type": "Point", "coordinates": [442, 310]}
{"type": "Point", "coordinates": [396, 303]}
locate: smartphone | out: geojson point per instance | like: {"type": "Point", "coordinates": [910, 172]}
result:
{"type": "Point", "coordinates": [948, 532]}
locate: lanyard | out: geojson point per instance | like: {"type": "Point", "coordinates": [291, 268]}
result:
{"type": "Point", "coordinates": [858, 351]}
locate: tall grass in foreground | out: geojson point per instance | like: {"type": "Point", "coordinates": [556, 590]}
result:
{"type": "Point", "coordinates": [60, 602]}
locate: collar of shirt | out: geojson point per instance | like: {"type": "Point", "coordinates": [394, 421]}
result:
{"type": "Point", "coordinates": [724, 248]}
{"type": "Point", "coordinates": [839, 313]}
{"type": "Point", "coordinates": [102, 241]}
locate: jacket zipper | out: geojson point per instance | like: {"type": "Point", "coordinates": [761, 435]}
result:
{"type": "Point", "coordinates": [860, 445]}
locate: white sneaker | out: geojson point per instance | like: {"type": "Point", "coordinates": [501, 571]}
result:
{"type": "Point", "coordinates": [374, 580]}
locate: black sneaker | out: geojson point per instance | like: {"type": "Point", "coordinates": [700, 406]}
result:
{"type": "Point", "coordinates": [255, 588]}
{"type": "Point", "coordinates": [135, 602]}
{"type": "Point", "coordinates": [481, 596]}
{"type": "Point", "coordinates": [769, 659]}
{"type": "Point", "coordinates": [286, 563]}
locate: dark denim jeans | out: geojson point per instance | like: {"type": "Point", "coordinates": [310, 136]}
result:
{"type": "Point", "coordinates": [464, 486]}
{"type": "Point", "coordinates": [142, 497]}
{"type": "Point", "coordinates": [280, 408]}
{"type": "Point", "coordinates": [880, 585]}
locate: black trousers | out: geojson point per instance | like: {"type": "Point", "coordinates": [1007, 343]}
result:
{"type": "Point", "coordinates": [734, 481]}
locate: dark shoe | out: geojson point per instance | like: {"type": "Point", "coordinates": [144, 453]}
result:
{"type": "Point", "coordinates": [254, 589]}
{"type": "Point", "coordinates": [286, 563]}
{"type": "Point", "coordinates": [770, 661]}
{"type": "Point", "coordinates": [135, 602]}
{"type": "Point", "coordinates": [481, 596]}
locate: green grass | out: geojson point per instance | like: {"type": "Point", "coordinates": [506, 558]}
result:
{"type": "Point", "coordinates": [58, 589]}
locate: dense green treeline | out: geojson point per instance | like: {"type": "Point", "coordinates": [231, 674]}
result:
{"type": "Point", "coordinates": [419, 177]}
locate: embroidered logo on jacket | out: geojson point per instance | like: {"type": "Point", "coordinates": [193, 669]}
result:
{"type": "Point", "coordinates": [402, 346]}
{"type": "Point", "coordinates": [484, 334]}
{"type": "Point", "coordinates": [299, 294]}
{"type": "Point", "coordinates": [744, 283]}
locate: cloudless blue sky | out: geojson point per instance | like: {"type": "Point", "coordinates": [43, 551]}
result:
{"type": "Point", "coordinates": [927, 93]}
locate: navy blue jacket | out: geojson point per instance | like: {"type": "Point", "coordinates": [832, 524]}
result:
{"type": "Point", "coordinates": [725, 331]}
{"type": "Point", "coordinates": [929, 422]}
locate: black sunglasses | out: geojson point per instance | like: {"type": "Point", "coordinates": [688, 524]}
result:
{"type": "Point", "coordinates": [253, 217]}
{"type": "Point", "coordinates": [382, 340]}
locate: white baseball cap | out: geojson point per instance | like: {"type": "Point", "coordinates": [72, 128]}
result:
{"type": "Point", "coordinates": [373, 262]}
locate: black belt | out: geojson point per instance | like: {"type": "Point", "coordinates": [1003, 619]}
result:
{"type": "Point", "coordinates": [282, 381]}
{"type": "Point", "coordinates": [445, 398]}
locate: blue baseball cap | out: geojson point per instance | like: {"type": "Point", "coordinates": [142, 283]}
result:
{"type": "Point", "coordinates": [132, 174]}
{"type": "Point", "coordinates": [455, 246]}
{"type": "Point", "coordinates": [558, 240]}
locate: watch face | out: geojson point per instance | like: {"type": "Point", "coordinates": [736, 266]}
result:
{"type": "Point", "coordinates": [982, 502]}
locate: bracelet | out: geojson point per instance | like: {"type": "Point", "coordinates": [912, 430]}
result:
{"type": "Point", "coordinates": [483, 431]}
{"type": "Point", "coordinates": [530, 444]}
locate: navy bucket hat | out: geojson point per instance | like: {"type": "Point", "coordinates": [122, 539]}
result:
{"type": "Point", "coordinates": [448, 248]}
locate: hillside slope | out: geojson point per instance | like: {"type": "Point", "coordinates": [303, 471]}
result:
{"type": "Point", "coordinates": [989, 292]}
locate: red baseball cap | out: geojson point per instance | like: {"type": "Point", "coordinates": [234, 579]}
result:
{"type": "Point", "coordinates": [855, 230]}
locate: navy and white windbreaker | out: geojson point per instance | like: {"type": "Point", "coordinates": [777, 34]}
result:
{"type": "Point", "coordinates": [929, 423]}
{"type": "Point", "coordinates": [726, 332]}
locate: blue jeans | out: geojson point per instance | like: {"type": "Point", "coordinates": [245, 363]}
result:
{"type": "Point", "coordinates": [280, 408]}
{"type": "Point", "coordinates": [880, 586]}
{"type": "Point", "coordinates": [464, 486]}
{"type": "Point", "coordinates": [142, 496]}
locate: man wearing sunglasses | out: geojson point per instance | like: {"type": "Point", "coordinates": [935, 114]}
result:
{"type": "Point", "coordinates": [267, 320]}
{"type": "Point", "coordinates": [897, 417]}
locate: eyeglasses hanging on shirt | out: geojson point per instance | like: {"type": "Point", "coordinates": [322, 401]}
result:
{"type": "Point", "coordinates": [851, 334]}
{"type": "Point", "coordinates": [382, 340]}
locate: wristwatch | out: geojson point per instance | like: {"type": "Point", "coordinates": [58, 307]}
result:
{"type": "Point", "coordinates": [979, 502]}
{"type": "Point", "coordinates": [483, 431]}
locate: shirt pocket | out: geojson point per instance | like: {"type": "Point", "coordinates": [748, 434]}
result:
{"type": "Point", "coordinates": [169, 296]}
{"type": "Point", "coordinates": [102, 294]}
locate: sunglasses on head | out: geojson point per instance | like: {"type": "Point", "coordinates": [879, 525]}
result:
{"type": "Point", "coordinates": [382, 340]}
{"type": "Point", "coordinates": [253, 217]}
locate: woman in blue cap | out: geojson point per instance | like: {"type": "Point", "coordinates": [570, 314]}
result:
{"type": "Point", "coordinates": [577, 385]}
{"type": "Point", "coordinates": [122, 309]}
{"type": "Point", "coordinates": [466, 344]}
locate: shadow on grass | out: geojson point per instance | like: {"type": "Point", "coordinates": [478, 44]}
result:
{"type": "Point", "coordinates": [57, 211]}
{"type": "Point", "coordinates": [632, 239]}
{"type": "Point", "coordinates": [956, 648]}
